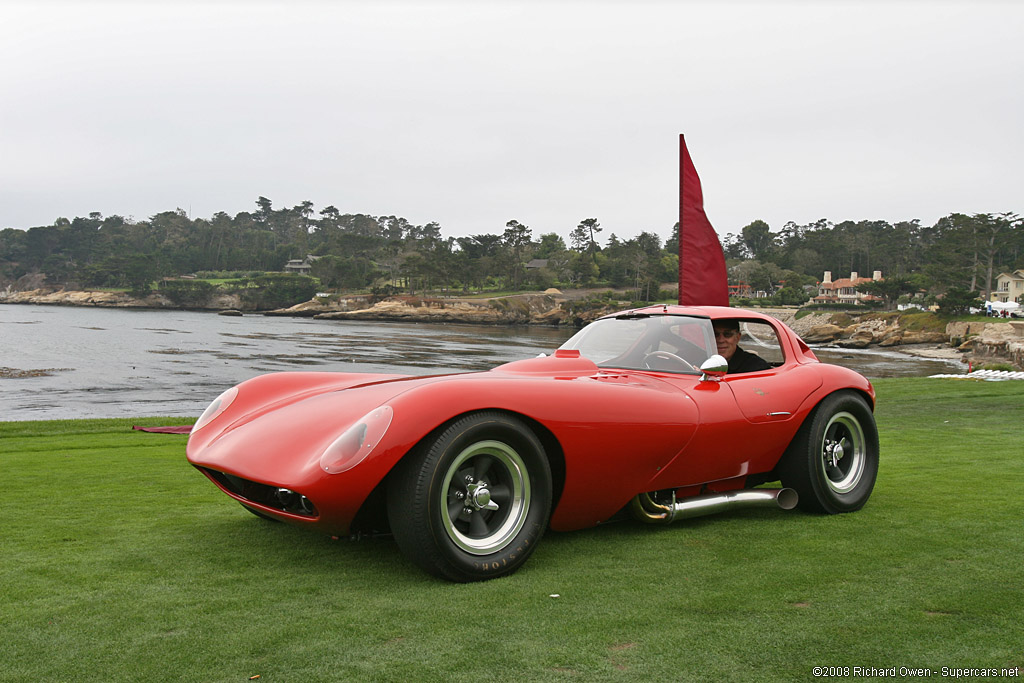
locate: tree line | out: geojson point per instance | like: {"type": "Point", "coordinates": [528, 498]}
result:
{"type": "Point", "coordinates": [356, 252]}
{"type": "Point", "coordinates": [359, 252]}
{"type": "Point", "coordinates": [960, 252]}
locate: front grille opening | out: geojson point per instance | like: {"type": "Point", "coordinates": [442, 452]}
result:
{"type": "Point", "coordinates": [272, 497]}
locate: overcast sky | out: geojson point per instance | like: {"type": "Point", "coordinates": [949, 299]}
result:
{"type": "Point", "coordinates": [475, 113]}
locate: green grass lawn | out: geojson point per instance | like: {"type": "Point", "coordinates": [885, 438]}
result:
{"type": "Point", "coordinates": [118, 561]}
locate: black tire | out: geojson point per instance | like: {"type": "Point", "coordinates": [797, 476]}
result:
{"type": "Point", "coordinates": [472, 503]}
{"type": "Point", "coordinates": [832, 461]}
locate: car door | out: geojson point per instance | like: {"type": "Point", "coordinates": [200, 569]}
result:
{"type": "Point", "coordinates": [770, 399]}
{"type": "Point", "coordinates": [746, 419]}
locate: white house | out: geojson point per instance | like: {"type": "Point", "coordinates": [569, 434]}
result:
{"type": "Point", "coordinates": [1009, 287]}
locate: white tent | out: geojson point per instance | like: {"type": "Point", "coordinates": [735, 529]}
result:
{"type": "Point", "coordinates": [1008, 306]}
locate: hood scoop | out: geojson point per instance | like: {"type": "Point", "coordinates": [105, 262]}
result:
{"type": "Point", "coordinates": [564, 362]}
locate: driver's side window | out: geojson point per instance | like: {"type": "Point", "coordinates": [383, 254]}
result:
{"type": "Point", "coordinates": [761, 339]}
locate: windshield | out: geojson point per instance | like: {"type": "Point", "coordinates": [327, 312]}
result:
{"type": "Point", "coordinates": [668, 343]}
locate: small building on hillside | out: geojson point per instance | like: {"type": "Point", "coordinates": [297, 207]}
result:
{"type": "Point", "coordinates": [741, 290]}
{"type": "Point", "coordinates": [1009, 287]}
{"type": "Point", "coordinates": [301, 266]}
{"type": "Point", "coordinates": [844, 290]}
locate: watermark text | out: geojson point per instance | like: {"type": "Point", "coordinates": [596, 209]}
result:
{"type": "Point", "coordinates": [914, 672]}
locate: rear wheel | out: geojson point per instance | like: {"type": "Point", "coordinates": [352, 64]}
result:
{"type": "Point", "coordinates": [833, 459]}
{"type": "Point", "coordinates": [472, 503]}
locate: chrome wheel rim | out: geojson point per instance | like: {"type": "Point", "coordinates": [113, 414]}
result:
{"type": "Point", "coordinates": [843, 453]}
{"type": "Point", "coordinates": [486, 495]}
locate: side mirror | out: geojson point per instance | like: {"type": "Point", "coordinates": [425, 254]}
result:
{"type": "Point", "coordinates": [714, 369]}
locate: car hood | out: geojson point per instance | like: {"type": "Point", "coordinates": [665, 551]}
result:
{"type": "Point", "coordinates": [281, 423]}
{"type": "Point", "coordinates": [286, 420]}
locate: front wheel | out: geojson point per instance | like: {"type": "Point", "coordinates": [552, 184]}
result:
{"type": "Point", "coordinates": [472, 503]}
{"type": "Point", "coordinates": [832, 461]}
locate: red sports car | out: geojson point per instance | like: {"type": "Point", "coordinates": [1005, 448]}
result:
{"type": "Point", "coordinates": [637, 414]}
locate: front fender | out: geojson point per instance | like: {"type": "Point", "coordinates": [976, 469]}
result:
{"type": "Point", "coordinates": [615, 433]}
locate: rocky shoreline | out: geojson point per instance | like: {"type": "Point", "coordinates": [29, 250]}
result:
{"type": "Point", "coordinates": [970, 342]}
{"type": "Point", "coordinates": [547, 308]}
{"type": "Point", "coordinates": [975, 342]}
{"type": "Point", "coordinates": [108, 299]}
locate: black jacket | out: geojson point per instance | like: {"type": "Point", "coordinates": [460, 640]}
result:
{"type": "Point", "coordinates": [744, 361]}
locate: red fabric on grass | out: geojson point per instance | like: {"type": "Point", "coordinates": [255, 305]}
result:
{"type": "Point", "coordinates": [178, 429]}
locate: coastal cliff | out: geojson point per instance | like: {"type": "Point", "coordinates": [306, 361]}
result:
{"type": "Point", "coordinates": [975, 341]}
{"type": "Point", "coordinates": [111, 299]}
{"type": "Point", "coordinates": [548, 308]}
{"type": "Point", "coordinates": [998, 342]}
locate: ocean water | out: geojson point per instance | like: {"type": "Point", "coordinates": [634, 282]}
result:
{"type": "Point", "coordinates": [76, 362]}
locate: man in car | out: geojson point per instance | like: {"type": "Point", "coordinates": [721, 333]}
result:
{"type": "Point", "coordinates": [727, 339]}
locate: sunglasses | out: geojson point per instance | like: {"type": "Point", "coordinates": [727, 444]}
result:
{"type": "Point", "coordinates": [727, 334]}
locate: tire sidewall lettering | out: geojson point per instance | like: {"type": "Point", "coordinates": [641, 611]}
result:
{"type": "Point", "coordinates": [456, 562]}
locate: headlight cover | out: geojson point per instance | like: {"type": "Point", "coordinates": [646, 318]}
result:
{"type": "Point", "coordinates": [352, 447]}
{"type": "Point", "coordinates": [219, 405]}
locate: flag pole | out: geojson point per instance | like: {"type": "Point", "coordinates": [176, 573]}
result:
{"type": "Point", "coordinates": [679, 225]}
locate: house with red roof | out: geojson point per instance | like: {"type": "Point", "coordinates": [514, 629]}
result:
{"type": "Point", "coordinates": [844, 290]}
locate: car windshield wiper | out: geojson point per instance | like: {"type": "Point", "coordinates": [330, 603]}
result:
{"type": "Point", "coordinates": [630, 315]}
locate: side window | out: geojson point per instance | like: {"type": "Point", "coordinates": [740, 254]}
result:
{"type": "Point", "coordinates": [760, 338]}
{"type": "Point", "coordinates": [608, 341]}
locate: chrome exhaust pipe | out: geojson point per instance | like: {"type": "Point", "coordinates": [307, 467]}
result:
{"type": "Point", "coordinates": [646, 509]}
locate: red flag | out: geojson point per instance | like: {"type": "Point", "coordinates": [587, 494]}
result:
{"type": "Point", "coordinates": [702, 277]}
